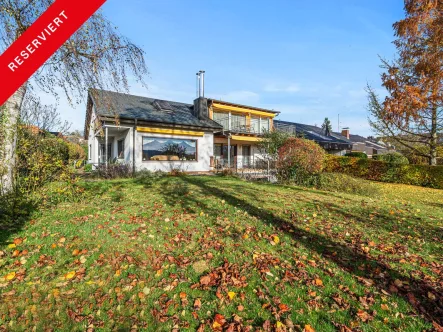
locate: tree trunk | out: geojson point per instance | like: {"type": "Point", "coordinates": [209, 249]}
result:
{"type": "Point", "coordinates": [11, 115]}
{"type": "Point", "coordinates": [434, 138]}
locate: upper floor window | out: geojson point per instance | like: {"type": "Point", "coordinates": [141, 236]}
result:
{"type": "Point", "coordinates": [264, 125]}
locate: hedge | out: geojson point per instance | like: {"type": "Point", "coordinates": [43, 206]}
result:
{"type": "Point", "coordinates": [392, 157]}
{"type": "Point", "coordinates": [357, 154]}
{"type": "Point", "coordinates": [419, 175]}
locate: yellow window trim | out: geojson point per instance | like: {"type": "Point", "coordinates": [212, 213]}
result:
{"type": "Point", "coordinates": [170, 131]}
{"type": "Point", "coordinates": [245, 138]}
{"type": "Point", "coordinates": [242, 110]}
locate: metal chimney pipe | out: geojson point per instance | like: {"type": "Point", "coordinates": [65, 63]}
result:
{"type": "Point", "coordinates": [202, 83]}
{"type": "Point", "coordinates": [197, 85]}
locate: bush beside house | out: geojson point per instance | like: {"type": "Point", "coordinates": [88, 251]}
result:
{"type": "Point", "coordinates": [299, 159]}
{"type": "Point", "coordinates": [419, 175]}
{"type": "Point", "coordinates": [357, 155]}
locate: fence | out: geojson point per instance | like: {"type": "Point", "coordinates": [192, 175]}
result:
{"type": "Point", "coordinates": [249, 168]}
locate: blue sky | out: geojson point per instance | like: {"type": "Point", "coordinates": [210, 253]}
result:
{"type": "Point", "coordinates": [307, 59]}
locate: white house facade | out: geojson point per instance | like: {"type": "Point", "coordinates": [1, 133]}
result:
{"type": "Point", "coordinates": [166, 135]}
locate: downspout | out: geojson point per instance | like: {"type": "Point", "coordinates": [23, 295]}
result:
{"type": "Point", "coordinates": [133, 146]}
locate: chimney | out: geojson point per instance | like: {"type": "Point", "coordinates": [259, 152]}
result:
{"type": "Point", "coordinates": [201, 109]}
{"type": "Point", "coordinates": [345, 132]}
{"type": "Point", "coordinates": [202, 83]}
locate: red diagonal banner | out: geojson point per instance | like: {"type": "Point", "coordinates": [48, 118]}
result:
{"type": "Point", "coordinates": [36, 45]}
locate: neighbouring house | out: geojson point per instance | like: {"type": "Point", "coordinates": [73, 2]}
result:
{"type": "Point", "coordinates": [334, 143]}
{"type": "Point", "coordinates": [164, 135]}
{"type": "Point", "coordinates": [370, 146]}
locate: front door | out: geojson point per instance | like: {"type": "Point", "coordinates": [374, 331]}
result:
{"type": "Point", "coordinates": [102, 156]}
{"type": "Point", "coordinates": [232, 157]}
{"type": "Point", "coordinates": [246, 155]}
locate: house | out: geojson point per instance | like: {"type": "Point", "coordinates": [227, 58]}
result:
{"type": "Point", "coordinates": [334, 143]}
{"type": "Point", "coordinates": [366, 145]}
{"type": "Point", "coordinates": [164, 135]}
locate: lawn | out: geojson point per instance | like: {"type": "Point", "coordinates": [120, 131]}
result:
{"type": "Point", "coordinates": [221, 253]}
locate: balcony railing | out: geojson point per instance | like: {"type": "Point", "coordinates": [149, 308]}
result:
{"type": "Point", "coordinates": [239, 127]}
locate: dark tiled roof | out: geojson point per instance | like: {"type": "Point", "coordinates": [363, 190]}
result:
{"type": "Point", "coordinates": [312, 132]}
{"type": "Point", "coordinates": [368, 142]}
{"type": "Point", "coordinates": [357, 138]}
{"type": "Point", "coordinates": [108, 104]}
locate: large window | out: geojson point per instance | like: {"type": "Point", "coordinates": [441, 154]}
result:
{"type": "Point", "coordinates": [156, 148]}
{"type": "Point", "coordinates": [120, 149]}
{"type": "Point", "coordinates": [264, 125]}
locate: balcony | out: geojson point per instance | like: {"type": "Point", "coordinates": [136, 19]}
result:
{"type": "Point", "coordinates": [239, 126]}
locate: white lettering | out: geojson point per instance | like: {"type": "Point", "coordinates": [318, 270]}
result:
{"type": "Point", "coordinates": [51, 27]}
{"type": "Point", "coordinates": [30, 49]}
{"type": "Point", "coordinates": [18, 61]}
{"type": "Point", "coordinates": [24, 54]}
{"type": "Point", "coordinates": [35, 42]}
{"type": "Point", "coordinates": [42, 36]}
{"type": "Point", "coordinates": [57, 21]}
{"type": "Point", "coordinates": [12, 66]}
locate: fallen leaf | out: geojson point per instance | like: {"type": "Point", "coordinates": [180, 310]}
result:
{"type": "Point", "coordinates": [309, 328]}
{"type": "Point", "coordinates": [197, 304]}
{"type": "Point", "coordinates": [205, 280]}
{"type": "Point", "coordinates": [384, 307]}
{"type": "Point", "coordinates": [318, 282]}
{"type": "Point", "coordinates": [363, 315]}
{"type": "Point", "coordinates": [219, 321]}
{"type": "Point", "coordinates": [70, 275]}
{"type": "Point", "coordinates": [75, 252]}
{"type": "Point", "coordinates": [279, 325]}
{"type": "Point", "coordinates": [10, 276]}
{"type": "Point", "coordinates": [18, 241]}
{"type": "Point", "coordinates": [275, 239]}
{"type": "Point", "coordinates": [231, 295]}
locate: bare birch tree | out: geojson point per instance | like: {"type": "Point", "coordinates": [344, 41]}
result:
{"type": "Point", "coordinates": [96, 56]}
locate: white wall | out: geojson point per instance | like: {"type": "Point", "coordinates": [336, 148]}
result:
{"type": "Point", "coordinates": [205, 150]}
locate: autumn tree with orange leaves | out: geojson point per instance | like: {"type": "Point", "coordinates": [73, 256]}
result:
{"type": "Point", "coordinates": [412, 113]}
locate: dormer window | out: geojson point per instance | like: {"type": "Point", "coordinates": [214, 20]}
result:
{"type": "Point", "coordinates": [162, 105]}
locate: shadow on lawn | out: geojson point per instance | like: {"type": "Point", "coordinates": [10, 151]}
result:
{"type": "Point", "coordinates": [15, 212]}
{"type": "Point", "coordinates": [348, 258]}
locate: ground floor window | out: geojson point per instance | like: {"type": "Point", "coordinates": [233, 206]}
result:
{"type": "Point", "coordinates": [157, 148]}
{"type": "Point", "coordinates": [120, 149]}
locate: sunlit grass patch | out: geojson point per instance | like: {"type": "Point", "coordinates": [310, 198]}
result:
{"type": "Point", "coordinates": [215, 253]}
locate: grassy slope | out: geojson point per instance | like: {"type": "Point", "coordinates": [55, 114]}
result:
{"type": "Point", "coordinates": [134, 254]}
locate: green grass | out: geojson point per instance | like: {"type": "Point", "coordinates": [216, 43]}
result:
{"type": "Point", "coordinates": [135, 254]}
